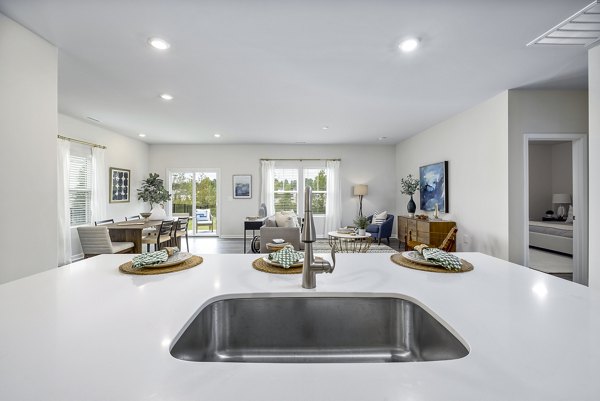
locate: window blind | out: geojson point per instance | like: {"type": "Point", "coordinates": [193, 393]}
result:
{"type": "Point", "coordinates": [80, 189]}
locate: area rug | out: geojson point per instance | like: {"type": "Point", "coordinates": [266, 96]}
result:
{"type": "Point", "coordinates": [322, 246]}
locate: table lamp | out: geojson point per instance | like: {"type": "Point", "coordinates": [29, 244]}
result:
{"type": "Point", "coordinates": [561, 199]}
{"type": "Point", "coordinates": [360, 190]}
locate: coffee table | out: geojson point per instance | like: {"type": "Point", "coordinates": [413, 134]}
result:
{"type": "Point", "coordinates": [350, 243]}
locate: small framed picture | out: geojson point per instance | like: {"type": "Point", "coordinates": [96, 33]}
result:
{"type": "Point", "coordinates": [242, 186]}
{"type": "Point", "coordinates": [120, 189]}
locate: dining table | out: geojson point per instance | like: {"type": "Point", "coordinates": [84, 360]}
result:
{"type": "Point", "coordinates": [131, 231]}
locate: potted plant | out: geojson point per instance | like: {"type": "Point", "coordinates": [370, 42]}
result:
{"type": "Point", "coordinates": [154, 192]}
{"type": "Point", "coordinates": [361, 223]}
{"type": "Point", "coordinates": [409, 187]}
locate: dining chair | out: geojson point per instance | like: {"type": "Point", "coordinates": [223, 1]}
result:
{"type": "Point", "coordinates": [180, 229]}
{"type": "Point", "coordinates": [104, 222]}
{"type": "Point", "coordinates": [96, 241]}
{"type": "Point", "coordinates": [160, 236]}
{"type": "Point", "coordinates": [136, 217]}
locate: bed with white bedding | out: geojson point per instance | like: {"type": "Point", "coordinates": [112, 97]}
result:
{"type": "Point", "coordinates": [554, 236]}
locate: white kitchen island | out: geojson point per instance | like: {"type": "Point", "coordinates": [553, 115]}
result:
{"type": "Point", "coordinates": [87, 332]}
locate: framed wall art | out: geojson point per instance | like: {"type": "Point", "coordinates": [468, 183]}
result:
{"type": "Point", "coordinates": [120, 189]}
{"type": "Point", "coordinates": [433, 181]}
{"type": "Point", "coordinates": [242, 186]}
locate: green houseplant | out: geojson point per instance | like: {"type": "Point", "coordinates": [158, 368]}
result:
{"type": "Point", "coordinates": [409, 186]}
{"type": "Point", "coordinates": [153, 191]}
{"type": "Point", "coordinates": [361, 223]}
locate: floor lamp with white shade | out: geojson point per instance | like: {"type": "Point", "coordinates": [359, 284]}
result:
{"type": "Point", "coordinates": [360, 190]}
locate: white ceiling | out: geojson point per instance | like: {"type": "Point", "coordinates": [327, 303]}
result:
{"type": "Point", "coordinates": [277, 71]}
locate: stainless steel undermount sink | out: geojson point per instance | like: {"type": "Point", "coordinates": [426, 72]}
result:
{"type": "Point", "coordinates": [294, 328]}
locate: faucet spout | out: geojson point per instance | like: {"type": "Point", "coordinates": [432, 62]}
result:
{"type": "Point", "coordinates": [310, 267]}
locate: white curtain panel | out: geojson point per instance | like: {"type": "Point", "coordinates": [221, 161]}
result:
{"type": "Point", "coordinates": [63, 212]}
{"type": "Point", "coordinates": [267, 188]}
{"type": "Point", "coordinates": [333, 216]}
{"type": "Point", "coordinates": [99, 185]}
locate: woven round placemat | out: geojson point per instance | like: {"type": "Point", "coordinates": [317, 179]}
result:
{"type": "Point", "coordinates": [191, 262]}
{"type": "Point", "coordinates": [398, 259]}
{"type": "Point", "coordinates": [260, 264]}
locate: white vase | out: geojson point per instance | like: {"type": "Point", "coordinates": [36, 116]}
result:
{"type": "Point", "coordinates": [158, 213]}
{"type": "Point", "coordinates": [362, 231]}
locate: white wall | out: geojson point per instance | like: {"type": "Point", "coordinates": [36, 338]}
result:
{"type": "Point", "coordinates": [562, 168]}
{"type": "Point", "coordinates": [594, 164]}
{"type": "Point", "coordinates": [540, 180]}
{"type": "Point", "coordinates": [475, 145]}
{"type": "Point", "coordinates": [550, 172]}
{"type": "Point", "coordinates": [372, 165]}
{"type": "Point", "coordinates": [28, 102]}
{"type": "Point", "coordinates": [121, 151]}
{"type": "Point", "coordinates": [529, 112]}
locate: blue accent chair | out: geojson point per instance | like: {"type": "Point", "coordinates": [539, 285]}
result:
{"type": "Point", "coordinates": [381, 231]}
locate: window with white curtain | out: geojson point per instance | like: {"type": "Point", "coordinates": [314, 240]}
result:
{"type": "Point", "coordinates": [286, 189]}
{"type": "Point", "coordinates": [80, 185]}
{"type": "Point", "coordinates": [317, 179]}
{"type": "Point", "coordinates": [289, 184]}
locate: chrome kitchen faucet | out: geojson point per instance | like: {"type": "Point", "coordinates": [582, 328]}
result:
{"type": "Point", "coordinates": [310, 268]}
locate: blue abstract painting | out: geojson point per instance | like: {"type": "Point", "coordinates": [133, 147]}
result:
{"type": "Point", "coordinates": [434, 186]}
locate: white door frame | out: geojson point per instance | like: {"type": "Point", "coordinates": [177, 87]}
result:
{"type": "Point", "coordinates": [198, 170]}
{"type": "Point", "coordinates": [580, 199]}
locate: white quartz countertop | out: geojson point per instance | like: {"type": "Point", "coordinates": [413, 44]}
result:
{"type": "Point", "coordinates": [87, 332]}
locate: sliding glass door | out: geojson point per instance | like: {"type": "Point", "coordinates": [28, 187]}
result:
{"type": "Point", "coordinates": [195, 194]}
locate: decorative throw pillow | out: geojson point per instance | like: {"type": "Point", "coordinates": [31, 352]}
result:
{"type": "Point", "coordinates": [293, 215]}
{"type": "Point", "coordinates": [379, 218]}
{"type": "Point", "coordinates": [284, 219]}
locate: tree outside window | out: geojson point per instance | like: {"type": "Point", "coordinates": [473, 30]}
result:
{"type": "Point", "coordinates": [286, 189]}
{"type": "Point", "coordinates": [317, 180]}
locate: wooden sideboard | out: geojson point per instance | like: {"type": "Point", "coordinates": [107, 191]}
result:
{"type": "Point", "coordinates": [430, 232]}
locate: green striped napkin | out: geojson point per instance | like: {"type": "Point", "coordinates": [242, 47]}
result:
{"type": "Point", "coordinates": [444, 259]}
{"type": "Point", "coordinates": [150, 258]}
{"type": "Point", "coordinates": [286, 256]}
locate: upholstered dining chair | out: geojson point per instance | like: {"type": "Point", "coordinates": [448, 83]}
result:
{"type": "Point", "coordinates": [181, 230]}
{"type": "Point", "coordinates": [96, 241]}
{"type": "Point", "coordinates": [160, 236]}
{"type": "Point", "coordinates": [104, 222]}
{"type": "Point", "coordinates": [447, 244]}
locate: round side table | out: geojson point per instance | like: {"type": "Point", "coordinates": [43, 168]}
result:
{"type": "Point", "coordinates": [350, 243]}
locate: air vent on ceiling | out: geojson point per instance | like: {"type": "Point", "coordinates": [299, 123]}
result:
{"type": "Point", "coordinates": [580, 29]}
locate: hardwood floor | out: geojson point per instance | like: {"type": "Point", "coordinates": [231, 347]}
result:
{"type": "Point", "coordinates": [214, 245]}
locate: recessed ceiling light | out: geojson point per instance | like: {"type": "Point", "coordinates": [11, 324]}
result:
{"type": "Point", "coordinates": [325, 127]}
{"type": "Point", "coordinates": [217, 135]}
{"type": "Point", "coordinates": [142, 135]}
{"type": "Point", "coordinates": [382, 138]}
{"type": "Point", "coordinates": [408, 45]}
{"type": "Point", "coordinates": [166, 96]}
{"type": "Point", "coordinates": [159, 43]}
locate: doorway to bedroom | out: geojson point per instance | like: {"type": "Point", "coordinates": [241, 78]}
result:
{"type": "Point", "coordinates": [555, 205]}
